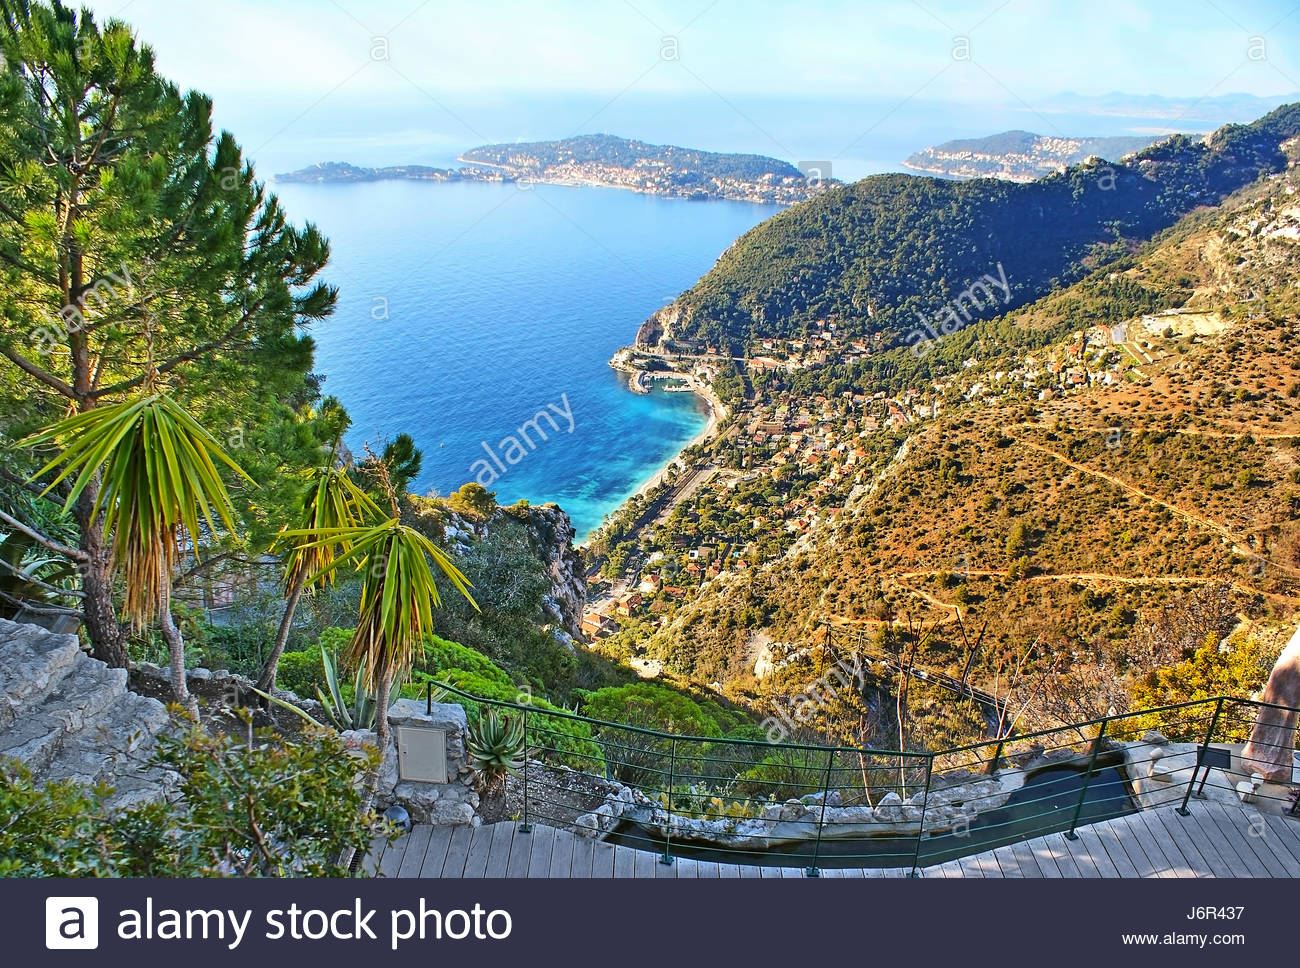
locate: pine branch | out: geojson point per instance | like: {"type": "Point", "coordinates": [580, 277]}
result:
{"type": "Point", "coordinates": [189, 355]}
{"type": "Point", "coordinates": [31, 369]}
{"type": "Point", "coordinates": [40, 539]}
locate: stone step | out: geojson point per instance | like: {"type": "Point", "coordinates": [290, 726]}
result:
{"type": "Point", "coordinates": [36, 737]}
{"type": "Point", "coordinates": [33, 661]}
{"type": "Point", "coordinates": [116, 742]}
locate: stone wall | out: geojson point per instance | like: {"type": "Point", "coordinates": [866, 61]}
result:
{"type": "Point", "coordinates": [453, 802]}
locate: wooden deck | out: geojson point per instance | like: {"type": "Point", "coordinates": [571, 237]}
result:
{"type": "Point", "coordinates": [1217, 840]}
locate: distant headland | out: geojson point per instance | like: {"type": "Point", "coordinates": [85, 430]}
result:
{"type": "Point", "coordinates": [605, 161]}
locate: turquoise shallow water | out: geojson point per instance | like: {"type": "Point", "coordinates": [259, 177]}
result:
{"type": "Point", "coordinates": [467, 309]}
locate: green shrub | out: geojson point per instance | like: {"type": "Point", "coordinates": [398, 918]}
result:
{"type": "Point", "coordinates": [273, 809]}
{"type": "Point", "coordinates": [301, 672]}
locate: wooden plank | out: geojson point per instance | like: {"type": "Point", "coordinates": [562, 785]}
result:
{"type": "Point", "coordinates": [1287, 833]}
{"type": "Point", "coordinates": [1262, 835]}
{"type": "Point", "coordinates": [988, 865]}
{"type": "Point", "coordinates": [457, 852]}
{"type": "Point", "coordinates": [500, 848]}
{"type": "Point", "coordinates": [1084, 866]}
{"type": "Point", "coordinates": [1178, 862]}
{"type": "Point", "coordinates": [1143, 850]}
{"type": "Point", "coordinates": [1191, 831]}
{"type": "Point", "coordinates": [415, 850]}
{"type": "Point", "coordinates": [707, 869]}
{"type": "Point", "coordinates": [969, 868]}
{"type": "Point", "coordinates": [1230, 852]}
{"type": "Point", "coordinates": [1042, 849]}
{"type": "Point", "coordinates": [728, 871]}
{"type": "Point", "coordinates": [643, 865]}
{"type": "Point", "coordinates": [521, 848]}
{"type": "Point", "coordinates": [769, 873]}
{"type": "Point", "coordinates": [1108, 841]}
{"type": "Point", "coordinates": [1178, 840]}
{"type": "Point", "coordinates": [539, 856]}
{"type": "Point", "coordinates": [624, 862]}
{"type": "Point", "coordinates": [1161, 852]}
{"type": "Point", "coordinates": [687, 867]}
{"type": "Point", "coordinates": [435, 856]}
{"type": "Point", "coordinates": [584, 852]}
{"type": "Point", "coordinates": [562, 854]}
{"type": "Point", "coordinates": [392, 858]}
{"type": "Point", "coordinates": [480, 845]}
{"type": "Point", "coordinates": [1025, 858]}
{"type": "Point", "coordinates": [1189, 836]}
{"type": "Point", "coordinates": [602, 859]}
{"type": "Point", "coordinates": [750, 871]}
{"type": "Point", "coordinates": [1096, 850]}
{"type": "Point", "coordinates": [1233, 823]}
{"type": "Point", "coordinates": [1006, 859]}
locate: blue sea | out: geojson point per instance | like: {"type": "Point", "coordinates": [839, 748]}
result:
{"type": "Point", "coordinates": [467, 309]}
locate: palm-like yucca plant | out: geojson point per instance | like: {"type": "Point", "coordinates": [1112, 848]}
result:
{"type": "Point", "coordinates": [332, 502]}
{"type": "Point", "coordinates": [398, 595]}
{"type": "Point", "coordinates": [158, 474]}
{"type": "Point", "coordinates": [496, 750]}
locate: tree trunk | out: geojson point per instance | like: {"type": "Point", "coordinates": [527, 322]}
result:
{"type": "Point", "coordinates": [385, 685]}
{"type": "Point", "coordinates": [107, 636]}
{"type": "Point", "coordinates": [176, 646]}
{"type": "Point", "coordinates": [266, 681]}
{"type": "Point", "coordinates": [1271, 750]}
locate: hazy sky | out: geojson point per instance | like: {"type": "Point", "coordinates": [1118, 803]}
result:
{"type": "Point", "coordinates": [863, 83]}
{"type": "Point", "coordinates": [1023, 49]}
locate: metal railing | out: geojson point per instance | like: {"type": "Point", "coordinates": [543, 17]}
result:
{"type": "Point", "coordinates": [752, 802]}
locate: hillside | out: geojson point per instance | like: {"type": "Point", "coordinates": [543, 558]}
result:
{"type": "Point", "coordinates": [1101, 481]}
{"type": "Point", "coordinates": [903, 256]}
{"type": "Point", "coordinates": [1017, 155]}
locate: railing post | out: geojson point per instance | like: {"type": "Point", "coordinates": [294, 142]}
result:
{"type": "Point", "coordinates": [826, 793]}
{"type": "Point", "coordinates": [920, 829]}
{"type": "Point", "coordinates": [1200, 758]}
{"type": "Point", "coordinates": [1087, 779]}
{"type": "Point", "coordinates": [667, 857]}
{"type": "Point", "coordinates": [525, 827]}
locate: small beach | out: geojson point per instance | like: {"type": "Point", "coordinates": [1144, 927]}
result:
{"type": "Point", "coordinates": [715, 407]}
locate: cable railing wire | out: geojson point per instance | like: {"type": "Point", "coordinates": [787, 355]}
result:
{"type": "Point", "coordinates": [690, 783]}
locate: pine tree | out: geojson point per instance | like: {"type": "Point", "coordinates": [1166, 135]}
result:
{"type": "Point", "coordinates": [122, 215]}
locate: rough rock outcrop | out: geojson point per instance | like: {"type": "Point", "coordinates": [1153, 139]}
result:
{"type": "Point", "coordinates": [567, 598]}
{"type": "Point", "coordinates": [66, 716]}
{"type": "Point", "coordinates": [1271, 750]}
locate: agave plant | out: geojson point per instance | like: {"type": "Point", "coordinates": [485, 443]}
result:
{"type": "Point", "coordinates": [496, 750]}
{"type": "Point", "coordinates": [28, 576]}
{"type": "Point", "coordinates": [359, 715]}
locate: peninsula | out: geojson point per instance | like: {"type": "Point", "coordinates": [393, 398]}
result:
{"type": "Point", "coordinates": [1020, 156]}
{"type": "Point", "coordinates": [605, 161]}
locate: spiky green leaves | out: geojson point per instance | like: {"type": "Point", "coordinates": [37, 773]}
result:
{"type": "Point", "coordinates": [398, 594]}
{"type": "Point", "coordinates": [333, 502]}
{"type": "Point", "coordinates": [158, 474]}
{"type": "Point", "coordinates": [496, 748]}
